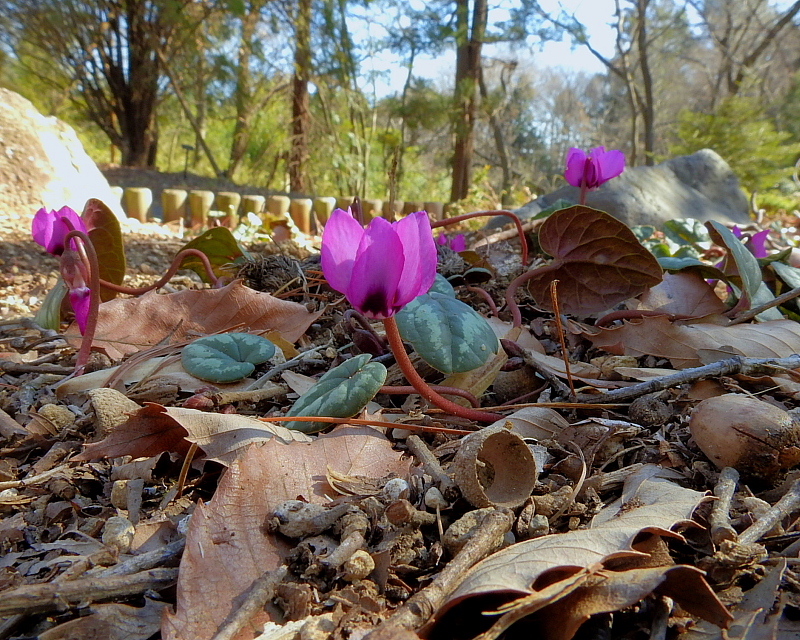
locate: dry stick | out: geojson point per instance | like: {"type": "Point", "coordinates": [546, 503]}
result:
{"type": "Point", "coordinates": [372, 423]}
{"type": "Point", "coordinates": [561, 338]}
{"type": "Point", "coordinates": [720, 519]}
{"type": "Point", "coordinates": [52, 596]}
{"type": "Point", "coordinates": [548, 374]}
{"type": "Point", "coordinates": [7, 366]}
{"type": "Point", "coordinates": [33, 480]}
{"type": "Point", "coordinates": [259, 593]}
{"type": "Point", "coordinates": [430, 464]}
{"type": "Point", "coordinates": [422, 387]}
{"type": "Point", "coordinates": [727, 367]}
{"type": "Point", "coordinates": [775, 302]}
{"type": "Point", "coordinates": [499, 212]}
{"type": "Point", "coordinates": [423, 604]}
{"type": "Point", "coordinates": [147, 560]}
{"type": "Point", "coordinates": [778, 512]}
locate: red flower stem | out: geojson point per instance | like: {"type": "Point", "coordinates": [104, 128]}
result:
{"type": "Point", "coordinates": [422, 387]}
{"type": "Point", "coordinates": [511, 291]}
{"type": "Point", "coordinates": [173, 269]}
{"type": "Point", "coordinates": [499, 212]}
{"type": "Point", "coordinates": [94, 298]}
{"type": "Point", "coordinates": [450, 391]}
{"type": "Point", "coordinates": [483, 293]}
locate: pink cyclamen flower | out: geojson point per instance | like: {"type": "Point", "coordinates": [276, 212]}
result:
{"type": "Point", "coordinates": [593, 169]}
{"type": "Point", "coordinates": [75, 274]}
{"type": "Point", "coordinates": [49, 229]}
{"type": "Point", "coordinates": [383, 267]}
{"type": "Point", "coordinates": [755, 243]}
{"type": "Point", "coordinates": [457, 243]}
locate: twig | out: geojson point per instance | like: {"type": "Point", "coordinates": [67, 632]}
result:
{"type": "Point", "coordinates": [269, 375]}
{"type": "Point", "coordinates": [547, 373]}
{"type": "Point", "coordinates": [147, 560]}
{"type": "Point", "coordinates": [53, 596]}
{"type": "Point", "coordinates": [37, 479]}
{"type": "Point", "coordinates": [423, 604]}
{"type": "Point", "coordinates": [430, 464]}
{"type": "Point", "coordinates": [720, 520]}
{"type": "Point", "coordinates": [259, 593]}
{"type": "Point", "coordinates": [775, 302]}
{"type": "Point", "coordinates": [730, 366]}
{"type": "Point", "coordinates": [25, 367]}
{"type": "Point", "coordinates": [778, 512]}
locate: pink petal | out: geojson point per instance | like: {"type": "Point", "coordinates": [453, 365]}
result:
{"type": "Point", "coordinates": [377, 271]}
{"type": "Point", "coordinates": [42, 228]}
{"type": "Point", "coordinates": [419, 251]}
{"type": "Point", "coordinates": [757, 247]}
{"type": "Point", "coordinates": [80, 299]}
{"type": "Point", "coordinates": [610, 164]}
{"type": "Point", "coordinates": [340, 240]}
{"type": "Point", "coordinates": [576, 163]}
{"type": "Point", "coordinates": [459, 243]}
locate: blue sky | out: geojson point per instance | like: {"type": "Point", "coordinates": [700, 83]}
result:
{"type": "Point", "coordinates": [595, 14]}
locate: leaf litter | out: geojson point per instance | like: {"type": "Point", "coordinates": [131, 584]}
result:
{"type": "Point", "coordinates": [338, 531]}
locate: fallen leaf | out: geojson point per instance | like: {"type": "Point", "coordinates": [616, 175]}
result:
{"type": "Point", "coordinates": [155, 429]}
{"type": "Point", "coordinates": [597, 260]}
{"type": "Point", "coordinates": [126, 326]}
{"type": "Point", "coordinates": [694, 344]}
{"type": "Point", "coordinates": [226, 547]}
{"type": "Point", "coordinates": [650, 504]}
{"type": "Point", "coordinates": [111, 622]}
{"type": "Point", "coordinates": [686, 294]}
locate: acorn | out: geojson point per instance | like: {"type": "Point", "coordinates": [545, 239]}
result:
{"type": "Point", "coordinates": [756, 438]}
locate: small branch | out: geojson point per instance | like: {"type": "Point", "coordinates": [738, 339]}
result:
{"type": "Point", "coordinates": [778, 512]}
{"type": "Point", "coordinates": [728, 367]}
{"type": "Point", "coordinates": [259, 593]}
{"type": "Point", "coordinates": [430, 464]}
{"type": "Point", "coordinates": [775, 302]}
{"type": "Point", "coordinates": [423, 604]}
{"type": "Point", "coordinates": [720, 520]}
{"type": "Point", "coordinates": [55, 596]}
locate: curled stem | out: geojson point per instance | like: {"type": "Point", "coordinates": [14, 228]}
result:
{"type": "Point", "coordinates": [422, 387]}
{"type": "Point", "coordinates": [498, 212]}
{"type": "Point", "coordinates": [173, 269]}
{"type": "Point", "coordinates": [483, 293]}
{"type": "Point", "coordinates": [511, 291]}
{"type": "Point", "coordinates": [94, 297]}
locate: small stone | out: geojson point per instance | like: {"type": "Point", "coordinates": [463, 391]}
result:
{"type": "Point", "coordinates": [118, 534]}
{"type": "Point", "coordinates": [58, 414]}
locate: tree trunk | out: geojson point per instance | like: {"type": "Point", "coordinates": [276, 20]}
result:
{"type": "Point", "coordinates": [648, 110]}
{"type": "Point", "coordinates": [298, 154]}
{"type": "Point", "coordinates": [468, 65]}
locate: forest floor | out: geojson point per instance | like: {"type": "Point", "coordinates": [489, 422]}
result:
{"type": "Point", "coordinates": [127, 513]}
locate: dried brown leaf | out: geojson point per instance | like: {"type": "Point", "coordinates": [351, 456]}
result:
{"type": "Point", "coordinates": [111, 622]}
{"type": "Point", "coordinates": [694, 344]}
{"type": "Point", "coordinates": [686, 294]}
{"type": "Point", "coordinates": [155, 429]}
{"type": "Point", "coordinates": [597, 260]}
{"type": "Point", "coordinates": [226, 546]}
{"type": "Point", "coordinates": [650, 504]}
{"type": "Point", "coordinates": [134, 324]}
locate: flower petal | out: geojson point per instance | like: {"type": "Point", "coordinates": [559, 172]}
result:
{"type": "Point", "coordinates": [340, 240]}
{"type": "Point", "coordinates": [757, 246]}
{"type": "Point", "coordinates": [459, 243]}
{"type": "Point", "coordinates": [609, 165]}
{"type": "Point", "coordinates": [377, 271]}
{"type": "Point", "coordinates": [419, 251]}
{"type": "Point", "coordinates": [576, 164]}
{"type": "Point", "coordinates": [42, 227]}
{"type": "Point", "coordinates": [80, 299]}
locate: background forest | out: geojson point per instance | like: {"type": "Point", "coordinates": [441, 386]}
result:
{"type": "Point", "coordinates": [277, 93]}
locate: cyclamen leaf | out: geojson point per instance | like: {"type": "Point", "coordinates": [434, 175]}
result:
{"type": "Point", "coordinates": [597, 260]}
{"type": "Point", "coordinates": [226, 357]}
{"type": "Point", "coordinates": [221, 248]}
{"type": "Point", "coordinates": [446, 333]}
{"type": "Point", "coordinates": [341, 393]}
{"type": "Point", "coordinates": [745, 265]}
{"type": "Point", "coordinates": [106, 236]}
{"type": "Point", "coordinates": [441, 285]}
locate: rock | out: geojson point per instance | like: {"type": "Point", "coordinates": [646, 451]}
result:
{"type": "Point", "coordinates": [700, 186]}
{"type": "Point", "coordinates": [43, 163]}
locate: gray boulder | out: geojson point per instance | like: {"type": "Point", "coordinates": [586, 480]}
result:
{"type": "Point", "coordinates": [700, 186]}
{"type": "Point", "coordinates": [44, 164]}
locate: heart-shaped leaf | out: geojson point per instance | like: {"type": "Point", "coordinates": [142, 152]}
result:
{"type": "Point", "coordinates": [598, 262]}
{"type": "Point", "coordinates": [446, 333]}
{"type": "Point", "coordinates": [441, 285]}
{"type": "Point", "coordinates": [341, 393]}
{"type": "Point", "coordinates": [221, 248]}
{"type": "Point", "coordinates": [740, 263]}
{"type": "Point", "coordinates": [226, 357]}
{"type": "Point", "coordinates": [106, 236]}
{"type": "Point", "coordinates": [691, 264]}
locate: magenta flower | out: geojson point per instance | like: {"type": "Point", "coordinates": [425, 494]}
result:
{"type": "Point", "coordinates": [75, 274]}
{"type": "Point", "coordinates": [755, 243]}
{"type": "Point", "coordinates": [456, 243]}
{"type": "Point", "coordinates": [383, 267]}
{"type": "Point", "coordinates": [593, 169]}
{"type": "Point", "coordinates": [49, 229]}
